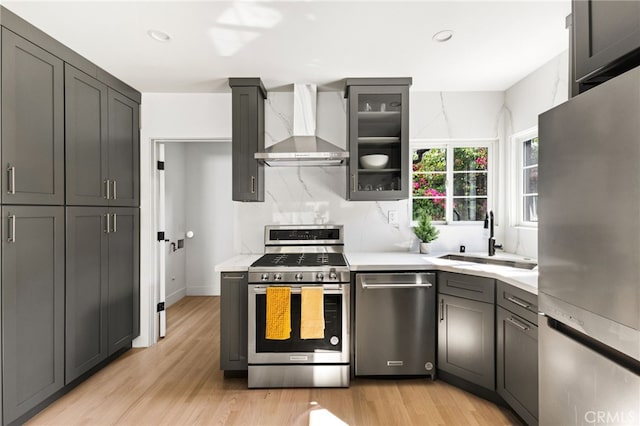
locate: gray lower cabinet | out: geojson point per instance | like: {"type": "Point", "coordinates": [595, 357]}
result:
{"type": "Point", "coordinates": [124, 278]}
{"type": "Point", "coordinates": [102, 285]}
{"type": "Point", "coordinates": [233, 321]}
{"type": "Point", "coordinates": [87, 290]}
{"type": "Point", "coordinates": [517, 350]}
{"type": "Point", "coordinates": [247, 99]}
{"type": "Point", "coordinates": [33, 293]}
{"type": "Point", "coordinates": [466, 337]}
{"type": "Point", "coordinates": [517, 361]}
{"type": "Point", "coordinates": [32, 169]}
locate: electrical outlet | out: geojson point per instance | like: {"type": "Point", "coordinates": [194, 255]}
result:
{"type": "Point", "coordinates": [393, 217]}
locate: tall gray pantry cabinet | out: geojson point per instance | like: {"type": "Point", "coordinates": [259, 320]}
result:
{"type": "Point", "coordinates": [32, 306]}
{"type": "Point", "coordinates": [32, 123]}
{"type": "Point", "coordinates": [69, 175]}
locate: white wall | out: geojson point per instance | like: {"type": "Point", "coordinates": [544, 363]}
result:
{"type": "Point", "coordinates": [169, 115]}
{"type": "Point", "coordinates": [317, 194]}
{"type": "Point", "coordinates": [209, 215]}
{"type": "Point", "coordinates": [538, 92]}
{"type": "Point", "coordinates": [175, 221]}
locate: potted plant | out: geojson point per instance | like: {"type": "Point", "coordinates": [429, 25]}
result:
{"type": "Point", "coordinates": [426, 233]}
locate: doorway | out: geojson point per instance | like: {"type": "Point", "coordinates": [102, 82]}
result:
{"type": "Point", "coordinates": [193, 216]}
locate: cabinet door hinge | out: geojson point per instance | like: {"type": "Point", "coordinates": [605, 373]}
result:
{"type": "Point", "coordinates": [160, 165]}
{"type": "Point", "coordinates": [160, 307]}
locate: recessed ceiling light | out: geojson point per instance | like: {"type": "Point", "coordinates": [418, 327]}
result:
{"type": "Point", "coordinates": [442, 36]}
{"type": "Point", "coordinates": [159, 36]}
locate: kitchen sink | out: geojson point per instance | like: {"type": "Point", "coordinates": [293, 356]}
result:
{"type": "Point", "coordinates": [520, 264]}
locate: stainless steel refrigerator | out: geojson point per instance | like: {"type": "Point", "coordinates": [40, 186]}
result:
{"type": "Point", "coordinates": [589, 257]}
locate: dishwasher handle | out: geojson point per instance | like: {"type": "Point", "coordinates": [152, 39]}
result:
{"type": "Point", "coordinates": [396, 280]}
{"type": "Point", "coordinates": [381, 286]}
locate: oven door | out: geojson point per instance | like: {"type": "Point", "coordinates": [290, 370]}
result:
{"type": "Point", "coordinates": [334, 348]}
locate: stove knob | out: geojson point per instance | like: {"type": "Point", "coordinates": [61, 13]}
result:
{"type": "Point", "coordinates": [277, 277]}
{"type": "Point", "coordinates": [299, 276]}
{"type": "Point", "coordinates": [319, 276]}
{"type": "Point", "coordinates": [264, 277]}
{"type": "Point", "coordinates": [332, 275]}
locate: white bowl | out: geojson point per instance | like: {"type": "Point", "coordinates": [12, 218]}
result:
{"type": "Point", "coordinates": [374, 161]}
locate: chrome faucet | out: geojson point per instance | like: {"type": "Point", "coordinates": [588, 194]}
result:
{"type": "Point", "coordinates": [488, 223]}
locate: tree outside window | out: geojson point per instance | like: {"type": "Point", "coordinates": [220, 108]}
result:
{"type": "Point", "coordinates": [451, 183]}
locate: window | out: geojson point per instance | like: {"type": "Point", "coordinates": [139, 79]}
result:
{"type": "Point", "coordinates": [528, 197]}
{"type": "Point", "coordinates": [450, 182]}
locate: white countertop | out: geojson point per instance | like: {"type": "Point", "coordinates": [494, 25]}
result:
{"type": "Point", "coordinates": [389, 261]}
{"type": "Point", "coordinates": [398, 261]}
{"type": "Point", "coordinates": [238, 263]}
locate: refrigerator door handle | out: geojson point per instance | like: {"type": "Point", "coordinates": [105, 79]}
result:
{"type": "Point", "coordinates": [623, 360]}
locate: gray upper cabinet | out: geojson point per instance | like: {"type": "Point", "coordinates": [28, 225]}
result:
{"type": "Point", "coordinates": [32, 306]}
{"type": "Point", "coordinates": [124, 277]}
{"type": "Point", "coordinates": [32, 124]}
{"type": "Point", "coordinates": [248, 95]}
{"type": "Point", "coordinates": [378, 123]}
{"type": "Point", "coordinates": [102, 143]}
{"type": "Point", "coordinates": [606, 37]}
{"type": "Point", "coordinates": [86, 139]}
{"type": "Point", "coordinates": [124, 150]}
{"type": "Point", "coordinates": [87, 289]}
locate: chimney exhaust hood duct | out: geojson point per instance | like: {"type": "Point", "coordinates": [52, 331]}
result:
{"type": "Point", "coordinates": [304, 148]}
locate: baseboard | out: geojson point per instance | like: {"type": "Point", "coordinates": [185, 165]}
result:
{"type": "Point", "coordinates": [175, 296]}
{"type": "Point", "coordinates": [205, 290]}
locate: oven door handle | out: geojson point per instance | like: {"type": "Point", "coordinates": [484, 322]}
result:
{"type": "Point", "coordinates": [381, 286]}
{"type": "Point", "coordinates": [297, 290]}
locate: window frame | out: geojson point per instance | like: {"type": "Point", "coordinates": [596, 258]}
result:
{"type": "Point", "coordinates": [449, 145]}
{"type": "Point", "coordinates": [518, 167]}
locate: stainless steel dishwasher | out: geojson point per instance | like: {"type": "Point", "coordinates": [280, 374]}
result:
{"type": "Point", "coordinates": [395, 324]}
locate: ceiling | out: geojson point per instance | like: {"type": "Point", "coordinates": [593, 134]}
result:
{"type": "Point", "coordinates": [495, 44]}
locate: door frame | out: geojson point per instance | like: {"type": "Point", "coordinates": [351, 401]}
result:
{"type": "Point", "coordinates": [156, 294]}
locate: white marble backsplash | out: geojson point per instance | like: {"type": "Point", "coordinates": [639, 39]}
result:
{"type": "Point", "coordinates": [300, 195]}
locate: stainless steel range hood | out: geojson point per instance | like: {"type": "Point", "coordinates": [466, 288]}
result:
{"type": "Point", "coordinates": [304, 148]}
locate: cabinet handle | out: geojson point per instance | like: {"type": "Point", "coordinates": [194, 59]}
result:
{"type": "Point", "coordinates": [518, 302]}
{"type": "Point", "coordinates": [12, 229]}
{"type": "Point", "coordinates": [233, 277]}
{"type": "Point", "coordinates": [517, 324]}
{"type": "Point", "coordinates": [12, 180]}
{"type": "Point", "coordinates": [115, 223]}
{"type": "Point", "coordinates": [115, 189]}
{"type": "Point", "coordinates": [108, 224]}
{"type": "Point", "coordinates": [253, 184]}
{"type": "Point", "coordinates": [353, 182]}
{"type": "Point", "coordinates": [441, 309]}
{"type": "Point", "coordinates": [107, 189]}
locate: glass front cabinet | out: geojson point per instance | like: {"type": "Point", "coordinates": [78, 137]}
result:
{"type": "Point", "coordinates": [378, 137]}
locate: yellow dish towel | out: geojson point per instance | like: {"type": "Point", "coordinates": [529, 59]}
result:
{"type": "Point", "coordinates": [278, 313]}
{"type": "Point", "coordinates": [312, 313]}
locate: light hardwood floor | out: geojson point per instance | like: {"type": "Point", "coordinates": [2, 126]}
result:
{"type": "Point", "coordinates": [178, 382]}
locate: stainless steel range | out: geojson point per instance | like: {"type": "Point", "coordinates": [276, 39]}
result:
{"type": "Point", "coordinates": [299, 257]}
